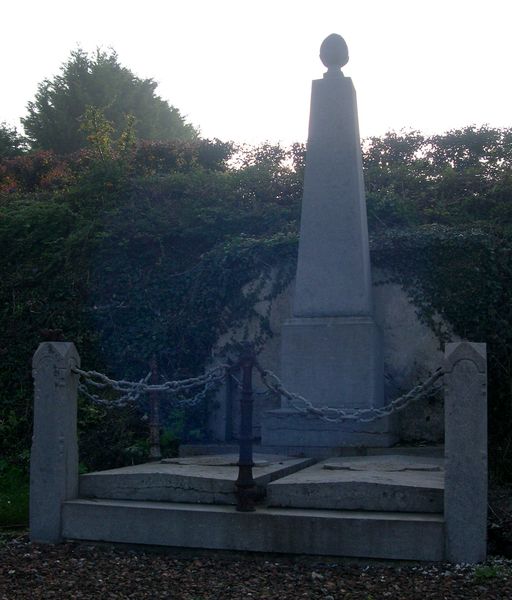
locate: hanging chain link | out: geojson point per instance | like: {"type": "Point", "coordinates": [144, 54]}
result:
{"type": "Point", "coordinates": [131, 391]}
{"type": "Point", "coordinates": [336, 415]}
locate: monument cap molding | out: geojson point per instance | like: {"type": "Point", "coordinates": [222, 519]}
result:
{"type": "Point", "coordinates": [334, 55]}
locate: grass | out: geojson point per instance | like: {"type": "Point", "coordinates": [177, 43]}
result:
{"type": "Point", "coordinates": [14, 486]}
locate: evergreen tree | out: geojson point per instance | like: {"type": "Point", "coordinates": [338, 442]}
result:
{"type": "Point", "coordinates": [99, 81]}
{"type": "Point", "coordinates": [11, 143]}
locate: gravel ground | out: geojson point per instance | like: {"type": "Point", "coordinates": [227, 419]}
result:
{"type": "Point", "coordinates": [90, 571]}
{"type": "Point", "coordinates": [78, 570]}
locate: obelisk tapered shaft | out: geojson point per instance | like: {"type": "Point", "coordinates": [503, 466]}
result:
{"type": "Point", "coordinates": [330, 348]}
{"type": "Point", "coordinates": [333, 272]}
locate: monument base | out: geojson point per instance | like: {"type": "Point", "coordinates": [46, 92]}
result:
{"type": "Point", "coordinates": [287, 427]}
{"type": "Point", "coordinates": [332, 362]}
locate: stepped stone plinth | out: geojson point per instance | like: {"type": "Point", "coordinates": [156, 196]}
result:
{"type": "Point", "coordinates": [201, 479]}
{"type": "Point", "coordinates": [331, 350]}
{"type": "Point", "coordinates": [320, 509]}
{"type": "Point", "coordinates": [379, 483]}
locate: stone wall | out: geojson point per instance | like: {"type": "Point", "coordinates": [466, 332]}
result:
{"type": "Point", "coordinates": [411, 352]}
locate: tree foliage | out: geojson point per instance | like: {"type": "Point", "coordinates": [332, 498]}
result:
{"type": "Point", "coordinates": [11, 143]}
{"type": "Point", "coordinates": [99, 81]}
{"type": "Point", "coordinates": [136, 248]}
{"type": "Point", "coordinates": [130, 255]}
{"type": "Point", "coordinates": [463, 176]}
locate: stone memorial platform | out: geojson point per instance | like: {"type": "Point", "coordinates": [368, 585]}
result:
{"type": "Point", "coordinates": [346, 507]}
{"type": "Point", "coordinates": [378, 483]}
{"type": "Point", "coordinates": [389, 506]}
{"type": "Point", "coordinates": [407, 505]}
{"type": "Point", "coordinates": [200, 479]}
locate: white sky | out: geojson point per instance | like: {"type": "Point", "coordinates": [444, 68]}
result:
{"type": "Point", "coordinates": [242, 69]}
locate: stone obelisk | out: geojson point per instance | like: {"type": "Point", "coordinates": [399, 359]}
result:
{"type": "Point", "coordinates": [331, 348]}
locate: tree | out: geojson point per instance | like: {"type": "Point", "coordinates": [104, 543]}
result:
{"type": "Point", "coordinates": [462, 176]}
{"type": "Point", "coordinates": [99, 81]}
{"type": "Point", "coordinates": [11, 143]}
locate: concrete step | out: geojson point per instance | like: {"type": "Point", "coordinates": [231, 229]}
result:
{"type": "Point", "coordinates": [378, 483]}
{"type": "Point", "coordinates": [202, 479]}
{"type": "Point", "coordinates": [318, 452]}
{"type": "Point", "coordinates": [297, 531]}
{"type": "Point", "coordinates": [286, 427]}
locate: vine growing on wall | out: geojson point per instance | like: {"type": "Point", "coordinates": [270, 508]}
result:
{"type": "Point", "coordinates": [463, 277]}
{"type": "Point", "coordinates": [155, 248]}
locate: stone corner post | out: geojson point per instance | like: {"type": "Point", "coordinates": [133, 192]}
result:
{"type": "Point", "coordinates": [54, 455]}
{"type": "Point", "coordinates": [465, 495]}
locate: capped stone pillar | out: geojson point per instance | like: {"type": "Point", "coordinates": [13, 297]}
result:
{"type": "Point", "coordinates": [54, 455]}
{"type": "Point", "coordinates": [465, 414]}
{"type": "Point", "coordinates": [331, 348]}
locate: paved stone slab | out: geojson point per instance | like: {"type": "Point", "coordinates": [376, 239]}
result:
{"type": "Point", "coordinates": [402, 536]}
{"type": "Point", "coordinates": [223, 460]}
{"type": "Point", "coordinates": [209, 480]}
{"type": "Point", "coordinates": [391, 463]}
{"type": "Point", "coordinates": [377, 483]}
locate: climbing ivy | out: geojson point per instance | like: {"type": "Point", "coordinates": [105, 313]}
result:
{"type": "Point", "coordinates": [462, 277]}
{"type": "Point", "coordinates": [155, 248]}
{"type": "Point", "coordinates": [130, 264]}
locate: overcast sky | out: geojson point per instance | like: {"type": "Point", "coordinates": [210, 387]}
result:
{"type": "Point", "coordinates": [242, 69]}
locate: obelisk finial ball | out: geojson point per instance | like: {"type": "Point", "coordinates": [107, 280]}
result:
{"type": "Point", "coordinates": [334, 51]}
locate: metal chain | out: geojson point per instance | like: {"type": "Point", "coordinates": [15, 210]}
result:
{"type": "Point", "coordinates": [335, 415]}
{"type": "Point", "coordinates": [132, 390]}
{"type": "Point", "coordinates": [124, 400]}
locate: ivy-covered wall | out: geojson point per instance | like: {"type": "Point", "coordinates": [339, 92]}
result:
{"type": "Point", "coordinates": [411, 349]}
{"type": "Point", "coordinates": [131, 251]}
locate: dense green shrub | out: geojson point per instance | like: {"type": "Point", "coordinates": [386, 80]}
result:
{"type": "Point", "coordinates": [14, 487]}
{"type": "Point", "coordinates": [142, 249]}
{"type": "Point", "coordinates": [128, 265]}
{"type": "Point", "coordinates": [463, 275]}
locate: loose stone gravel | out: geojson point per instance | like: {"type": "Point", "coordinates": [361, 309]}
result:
{"type": "Point", "coordinates": [78, 570]}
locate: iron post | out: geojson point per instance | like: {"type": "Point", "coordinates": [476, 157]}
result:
{"type": "Point", "coordinates": [154, 415]}
{"type": "Point", "coordinates": [245, 485]}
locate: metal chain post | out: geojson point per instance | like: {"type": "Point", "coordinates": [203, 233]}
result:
{"type": "Point", "coordinates": [245, 484]}
{"type": "Point", "coordinates": [154, 415]}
